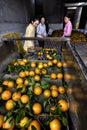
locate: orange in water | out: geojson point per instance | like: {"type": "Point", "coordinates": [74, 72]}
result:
{"type": "Point", "coordinates": [22, 74]}
{"type": "Point", "coordinates": [37, 71]}
{"type": "Point", "coordinates": [44, 71]}
{"type": "Point", "coordinates": [59, 64]}
{"type": "Point", "coordinates": [16, 96]}
{"type": "Point", "coordinates": [32, 73]}
{"type": "Point", "coordinates": [9, 105]}
{"type": "Point", "coordinates": [53, 87]}
{"type": "Point", "coordinates": [59, 75]}
{"type": "Point", "coordinates": [47, 93]}
{"type": "Point", "coordinates": [1, 120]}
{"type": "Point", "coordinates": [50, 63]}
{"type": "Point", "coordinates": [1, 89]}
{"type": "Point", "coordinates": [63, 104]}
{"type": "Point", "coordinates": [53, 76]}
{"type": "Point", "coordinates": [33, 64]}
{"type": "Point", "coordinates": [26, 82]}
{"type": "Point", "coordinates": [6, 125]}
{"type": "Point", "coordinates": [24, 99]}
{"type": "Point", "coordinates": [5, 82]}
{"type": "Point", "coordinates": [55, 124]}
{"type": "Point", "coordinates": [6, 95]}
{"type": "Point", "coordinates": [37, 78]}
{"type": "Point", "coordinates": [23, 122]}
{"type": "Point", "coordinates": [37, 90]}
{"type": "Point", "coordinates": [26, 73]}
{"type": "Point", "coordinates": [25, 61]}
{"type": "Point", "coordinates": [54, 93]}
{"type": "Point", "coordinates": [55, 61]}
{"type": "Point", "coordinates": [19, 80]}
{"type": "Point", "coordinates": [37, 108]}
{"type": "Point", "coordinates": [11, 84]}
{"type": "Point", "coordinates": [36, 124]}
{"type": "Point", "coordinates": [40, 65]}
{"type": "Point", "coordinates": [61, 89]}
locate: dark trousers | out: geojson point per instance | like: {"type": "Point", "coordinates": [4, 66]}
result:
{"type": "Point", "coordinates": [41, 44]}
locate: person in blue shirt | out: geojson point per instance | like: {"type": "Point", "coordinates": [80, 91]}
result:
{"type": "Point", "coordinates": [41, 31]}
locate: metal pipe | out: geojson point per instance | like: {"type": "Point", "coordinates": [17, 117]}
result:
{"type": "Point", "coordinates": [57, 39]}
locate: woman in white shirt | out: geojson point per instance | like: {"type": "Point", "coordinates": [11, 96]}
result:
{"type": "Point", "coordinates": [41, 31]}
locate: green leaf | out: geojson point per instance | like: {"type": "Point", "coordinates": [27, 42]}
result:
{"type": "Point", "coordinates": [20, 104]}
{"type": "Point", "coordinates": [33, 128]}
{"type": "Point", "coordinates": [45, 85]}
{"type": "Point", "coordinates": [5, 118]}
{"type": "Point", "coordinates": [64, 121]}
{"type": "Point", "coordinates": [30, 120]}
{"type": "Point", "coordinates": [49, 120]}
{"type": "Point", "coordinates": [46, 76]}
{"type": "Point", "coordinates": [45, 103]}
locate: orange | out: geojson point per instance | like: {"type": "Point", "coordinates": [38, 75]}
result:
{"type": "Point", "coordinates": [47, 93]}
{"type": "Point", "coordinates": [37, 90]}
{"type": "Point", "coordinates": [9, 105]}
{"type": "Point", "coordinates": [59, 75]}
{"type": "Point", "coordinates": [55, 61]}
{"type": "Point", "coordinates": [55, 124]}
{"type": "Point", "coordinates": [22, 74]}
{"type": "Point", "coordinates": [37, 71]}
{"type": "Point", "coordinates": [37, 78]}
{"type": "Point", "coordinates": [25, 61]}
{"type": "Point", "coordinates": [6, 125]}
{"type": "Point", "coordinates": [36, 124]}
{"type": "Point", "coordinates": [24, 121]}
{"type": "Point", "coordinates": [24, 99]}
{"type": "Point", "coordinates": [37, 108]}
{"type": "Point", "coordinates": [50, 63]}
{"type": "Point", "coordinates": [54, 93]}
{"type": "Point", "coordinates": [22, 86]}
{"type": "Point", "coordinates": [59, 64]}
{"type": "Point", "coordinates": [5, 82]}
{"type": "Point", "coordinates": [26, 73]}
{"type": "Point", "coordinates": [63, 104]}
{"type": "Point", "coordinates": [19, 80]}
{"type": "Point", "coordinates": [53, 76]}
{"type": "Point", "coordinates": [53, 87]}
{"type": "Point", "coordinates": [6, 95]}
{"type": "Point", "coordinates": [65, 64]}
{"type": "Point", "coordinates": [32, 73]}
{"type": "Point", "coordinates": [16, 96]}
{"type": "Point", "coordinates": [11, 84]}
{"type": "Point", "coordinates": [44, 71]}
{"type": "Point", "coordinates": [15, 63]}
{"type": "Point", "coordinates": [22, 63]}
{"type": "Point", "coordinates": [33, 64]}
{"type": "Point", "coordinates": [26, 82]}
{"type": "Point", "coordinates": [53, 108]}
{"type": "Point", "coordinates": [40, 65]}
{"type": "Point", "coordinates": [1, 89]}
{"type": "Point", "coordinates": [67, 76]}
{"type": "Point", "coordinates": [61, 89]}
{"type": "Point", "coordinates": [1, 120]}
{"type": "Point", "coordinates": [45, 65]}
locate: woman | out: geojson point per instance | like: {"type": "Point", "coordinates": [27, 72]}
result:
{"type": "Point", "coordinates": [30, 32]}
{"type": "Point", "coordinates": [68, 27]}
{"type": "Point", "coordinates": [41, 31]}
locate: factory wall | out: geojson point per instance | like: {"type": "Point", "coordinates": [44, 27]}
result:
{"type": "Point", "coordinates": [15, 15]}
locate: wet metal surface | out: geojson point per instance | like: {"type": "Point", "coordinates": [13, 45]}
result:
{"type": "Point", "coordinates": [77, 92]}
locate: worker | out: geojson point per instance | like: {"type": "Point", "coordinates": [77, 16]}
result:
{"type": "Point", "coordinates": [41, 31]}
{"type": "Point", "coordinates": [68, 28]}
{"type": "Point", "coordinates": [30, 32]}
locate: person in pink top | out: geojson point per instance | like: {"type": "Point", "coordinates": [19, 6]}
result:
{"type": "Point", "coordinates": [68, 27]}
